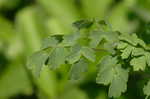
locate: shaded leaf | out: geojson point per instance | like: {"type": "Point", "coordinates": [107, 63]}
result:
{"type": "Point", "coordinates": [83, 24]}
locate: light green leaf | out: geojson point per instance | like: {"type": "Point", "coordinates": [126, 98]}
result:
{"type": "Point", "coordinates": [142, 43]}
{"type": "Point", "coordinates": [78, 69]}
{"type": "Point", "coordinates": [74, 55]}
{"type": "Point", "coordinates": [138, 51]}
{"type": "Point", "coordinates": [36, 61]}
{"type": "Point", "coordinates": [119, 82]}
{"type": "Point", "coordinates": [49, 42]}
{"type": "Point", "coordinates": [109, 46]}
{"type": "Point", "coordinates": [96, 37]}
{"type": "Point", "coordinates": [138, 63]}
{"type": "Point", "coordinates": [57, 57]}
{"type": "Point", "coordinates": [71, 39]}
{"type": "Point", "coordinates": [88, 53]}
{"type": "Point", "coordinates": [121, 45]}
{"type": "Point", "coordinates": [78, 51]}
{"type": "Point", "coordinates": [132, 39]}
{"type": "Point", "coordinates": [105, 73]}
{"type": "Point", "coordinates": [127, 52]}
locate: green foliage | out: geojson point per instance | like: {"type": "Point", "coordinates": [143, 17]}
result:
{"type": "Point", "coordinates": [112, 73]}
{"type": "Point", "coordinates": [126, 53]}
{"type": "Point", "coordinates": [24, 23]}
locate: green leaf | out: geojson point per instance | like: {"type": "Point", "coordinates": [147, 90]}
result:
{"type": "Point", "coordinates": [36, 61]}
{"type": "Point", "coordinates": [83, 24]}
{"type": "Point", "coordinates": [77, 51]}
{"type": "Point", "coordinates": [105, 73]}
{"type": "Point", "coordinates": [132, 39]}
{"type": "Point", "coordinates": [112, 73]}
{"type": "Point", "coordinates": [109, 46]}
{"type": "Point", "coordinates": [71, 39]}
{"type": "Point", "coordinates": [88, 53]}
{"type": "Point", "coordinates": [96, 37]}
{"type": "Point", "coordinates": [146, 90]}
{"type": "Point", "coordinates": [138, 63]}
{"type": "Point", "coordinates": [119, 82]}
{"type": "Point", "coordinates": [142, 43]}
{"type": "Point", "coordinates": [57, 57]}
{"type": "Point", "coordinates": [127, 52]}
{"type": "Point", "coordinates": [74, 55]}
{"type": "Point", "coordinates": [138, 52]}
{"type": "Point", "coordinates": [121, 45]}
{"type": "Point", "coordinates": [78, 69]}
{"type": "Point", "coordinates": [49, 42]}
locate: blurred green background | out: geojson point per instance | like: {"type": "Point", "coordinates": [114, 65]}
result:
{"type": "Point", "coordinates": [25, 23]}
